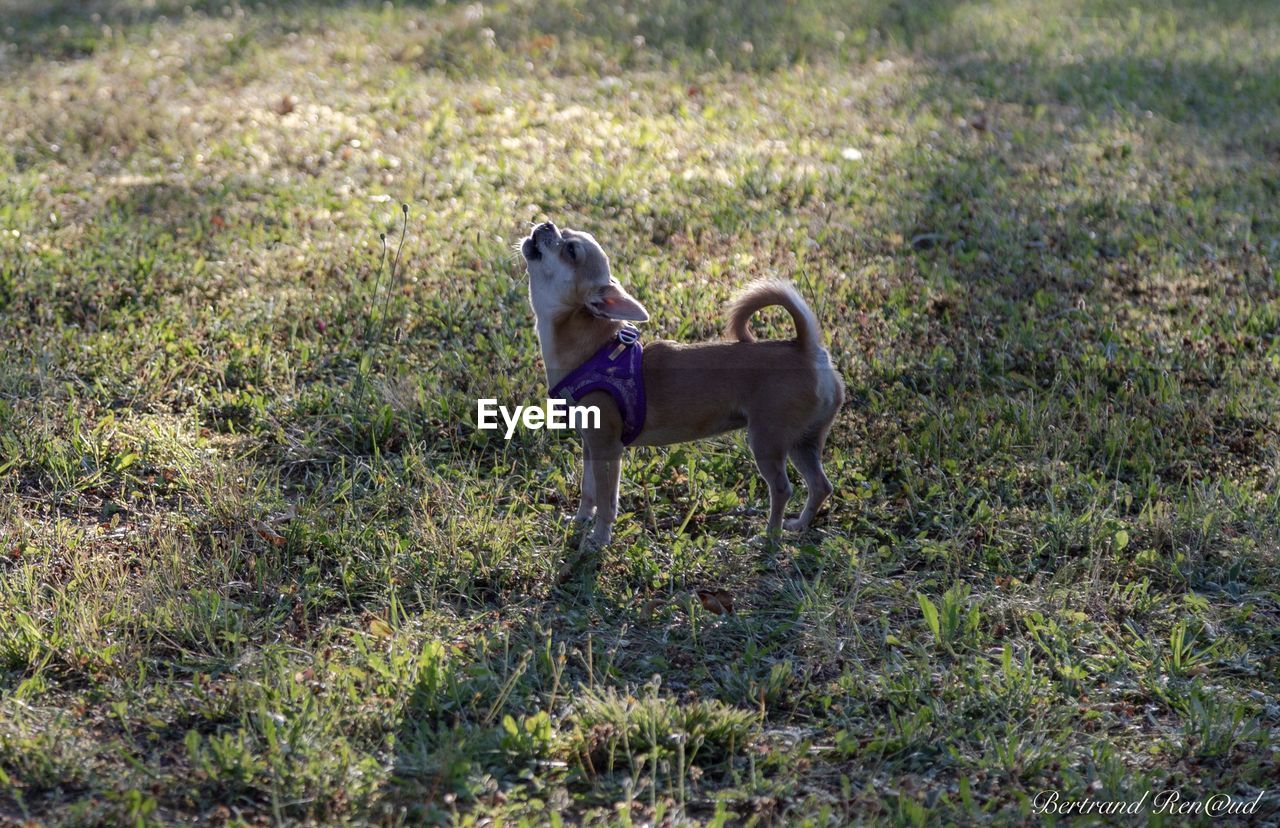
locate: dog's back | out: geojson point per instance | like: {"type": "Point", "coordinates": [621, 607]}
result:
{"type": "Point", "coordinates": [704, 389]}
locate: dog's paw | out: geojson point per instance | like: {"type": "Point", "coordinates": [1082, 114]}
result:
{"type": "Point", "coordinates": [597, 540]}
{"type": "Point", "coordinates": [578, 521]}
{"type": "Point", "coordinates": [795, 525]}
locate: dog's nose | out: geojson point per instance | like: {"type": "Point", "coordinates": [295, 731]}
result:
{"type": "Point", "coordinates": [545, 227]}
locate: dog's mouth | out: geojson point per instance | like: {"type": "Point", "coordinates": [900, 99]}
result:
{"type": "Point", "coordinates": [531, 250]}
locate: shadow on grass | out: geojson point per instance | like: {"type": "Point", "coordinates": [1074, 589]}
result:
{"type": "Point", "coordinates": [1064, 230]}
{"type": "Point", "coordinates": [750, 34]}
{"type": "Point", "coordinates": [744, 34]}
{"type": "Point", "coordinates": [1232, 106]}
{"type": "Point", "coordinates": [473, 737]}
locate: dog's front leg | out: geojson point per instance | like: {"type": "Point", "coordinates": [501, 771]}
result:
{"type": "Point", "coordinates": [587, 506]}
{"type": "Point", "coordinates": [602, 447]}
{"type": "Point", "coordinates": [605, 471]}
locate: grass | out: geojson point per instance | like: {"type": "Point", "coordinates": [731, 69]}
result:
{"type": "Point", "coordinates": [256, 565]}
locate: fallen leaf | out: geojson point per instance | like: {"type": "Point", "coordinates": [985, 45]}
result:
{"type": "Point", "coordinates": [717, 601]}
{"type": "Point", "coordinates": [379, 628]}
{"type": "Point", "coordinates": [268, 534]}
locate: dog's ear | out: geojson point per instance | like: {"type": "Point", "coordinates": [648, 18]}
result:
{"type": "Point", "coordinates": [612, 302]}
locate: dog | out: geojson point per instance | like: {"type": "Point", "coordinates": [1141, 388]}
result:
{"type": "Point", "coordinates": [785, 393]}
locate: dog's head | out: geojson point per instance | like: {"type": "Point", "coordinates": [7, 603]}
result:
{"type": "Point", "coordinates": [569, 271]}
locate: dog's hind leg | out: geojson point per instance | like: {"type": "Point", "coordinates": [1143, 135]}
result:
{"type": "Point", "coordinates": [771, 460]}
{"type": "Point", "coordinates": [807, 456]}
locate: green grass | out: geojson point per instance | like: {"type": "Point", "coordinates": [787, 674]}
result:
{"type": "Point", "coordinates": [256, 565]}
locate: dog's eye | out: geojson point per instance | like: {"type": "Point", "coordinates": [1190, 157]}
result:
{"type": "Point", "coordinates": [572, 250]}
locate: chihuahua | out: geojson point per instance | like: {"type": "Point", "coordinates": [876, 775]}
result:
{"type": "Point", "coordinates": [786, 393]}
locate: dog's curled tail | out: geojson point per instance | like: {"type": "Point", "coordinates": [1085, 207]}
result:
{"type": "Point", "coordinates": [763, 293]}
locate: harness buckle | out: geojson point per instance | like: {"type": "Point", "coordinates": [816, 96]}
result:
{"type": "Point", "coordinates": [627, 336]}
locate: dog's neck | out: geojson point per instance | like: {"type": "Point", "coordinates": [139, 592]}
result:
{"type": "Point", "coordinates": [569, 338]}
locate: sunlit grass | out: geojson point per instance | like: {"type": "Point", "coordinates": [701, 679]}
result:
{"type": "Point", "coordinates": [257, 565]}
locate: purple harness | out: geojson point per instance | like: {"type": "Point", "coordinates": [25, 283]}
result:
{"type": "Point", "coordinates": [617, 368]}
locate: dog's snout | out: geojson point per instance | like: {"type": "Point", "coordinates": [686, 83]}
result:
{"type": "Point", "coordinates": [545, 227]}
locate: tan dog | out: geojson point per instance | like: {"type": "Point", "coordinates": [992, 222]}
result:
{"type": "Point", "coordinates": [785, 393]}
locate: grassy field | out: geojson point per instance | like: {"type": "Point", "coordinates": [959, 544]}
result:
{"type": "Point", "coordinates": [257, 565]}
